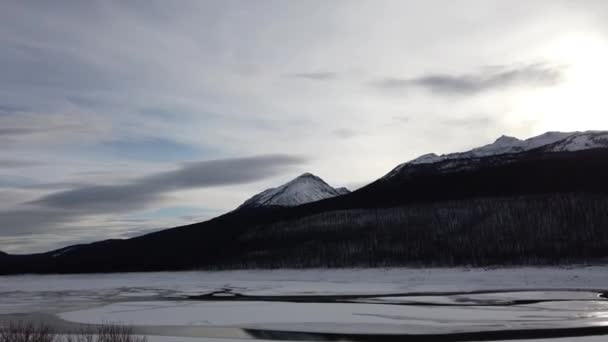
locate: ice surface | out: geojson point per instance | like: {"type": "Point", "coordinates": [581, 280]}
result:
{"type": "Point", "coordinates": [550, 297]}
{"type": "Point", "coordinates": [203, 339]}
{"type": "Point", "coordinates": [311, 281]}
{"type": "Point", "coordinates": [345, 317]}
{"type": "Point", "coordinates": [315, 281]}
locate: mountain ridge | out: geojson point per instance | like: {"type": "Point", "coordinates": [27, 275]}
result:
{"type": "Point", "coordinates": [551, 141]}
{"type": "Point", "coordinates": [497, 209]}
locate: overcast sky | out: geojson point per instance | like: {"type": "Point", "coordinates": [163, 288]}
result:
{"type": "Point", "coordinates": [119, 118]}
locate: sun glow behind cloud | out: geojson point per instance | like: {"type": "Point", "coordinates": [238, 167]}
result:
{"type": "Point", "coordinates": [579, 101]}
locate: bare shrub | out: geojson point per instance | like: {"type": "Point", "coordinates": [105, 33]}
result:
{"type": "Point", "coordinates": [84, 335]}
{"type": "Point", "coordinates": [26, 332]}
{"type": "Point", "coordinates": [117, 333]}
{"type": "Point", "coordinates": [29, 332]}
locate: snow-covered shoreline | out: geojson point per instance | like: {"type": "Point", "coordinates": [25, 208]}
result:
{"type": "Point", "coordinates": [563, 297]}
{"type": "Point", "coordinates": [311, 280]}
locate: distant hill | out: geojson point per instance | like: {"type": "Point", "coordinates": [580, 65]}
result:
{"type": "Point", "coordinates": [538, 201]}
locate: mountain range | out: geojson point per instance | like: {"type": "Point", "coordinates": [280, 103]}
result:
{"type": "Point", "coordinates": [543, 200]}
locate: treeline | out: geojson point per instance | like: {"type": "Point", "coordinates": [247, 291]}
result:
{"type": "Point", "coordinates": [542, 229]}
{"type": "Point", "coordinates": [557, 228]}
{"type": "Point", "coordinates": [528, 208]}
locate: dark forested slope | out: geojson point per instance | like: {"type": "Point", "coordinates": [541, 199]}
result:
{"type": "Point", "coordinates": [531, 207]}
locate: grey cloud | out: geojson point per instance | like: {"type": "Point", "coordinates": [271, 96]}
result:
{"type": "Point", "coordinates": [25, 183]}
{"type": "Point", "coordinates": [8, 109]}
{"type": "Point", "coordinates": [31, 220]}
{"type": "Point", "coordinates": [393, 83]}
{"type": "Point", "coordinates": [34, 230]}
{"type": "Point", "coordinates": [317, 76]}
{"type": "Point", "coordinates": [68, 70]}
{"type": "Point", "coordinates": [146, 190]}
{"type": "Point", "coordinates": [401, 119]}
{"type": "Point", "coordinates": [16, 163]}
{"type": "Point", "coordinates": [487, 79]}
{"type": "Point", "coordinates": [32, 243]}
{"type": "Point", "coordinates": [102, 198]}
{"type": "Point", "coordinates": [21, 131]}
{"type": "Point", "coordinates": [345, 133]}
{"type": "Point", "coordinates": [16, 131]}
{"type": "Point", "coordinates": [59, 211]}
{"type": "Point", "coordinates": [37, 230]}
{"type": "Point", "coordinates": [94, 173]}
{"type": "Point", "coordinates": [52, 186]}
{"type": "Point", "coordinates": [15, 181]}
{"type": "Point", "coordinates": [470, 121]}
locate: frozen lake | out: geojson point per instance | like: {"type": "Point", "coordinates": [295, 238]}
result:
{"type": "Point", "coordinates": [545, 304]}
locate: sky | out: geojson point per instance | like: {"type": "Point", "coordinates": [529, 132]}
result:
{"type": "Point", "coordinates": [118, 118]}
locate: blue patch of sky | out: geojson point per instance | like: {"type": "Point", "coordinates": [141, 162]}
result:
{"type": "Point", "coordinates": [86, 101]}
{"type": "Point", "coordinates": [161, 113]}
{"type": "Point", "coordinates": [177, 112]}
{"type": "Point", "coordinates": [10, 109]}
{"type": "Point", "coordinates": [171, 212]}
{"type": "Point", "coordinates": [13, 181]}
{"type": "Point", "coordinates": [153, 149]}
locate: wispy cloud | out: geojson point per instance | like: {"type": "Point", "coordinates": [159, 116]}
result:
{"type": "Point", "coordinates": [151, 149]}
{"type": "Point", "coordinates": [345, 133]}
{"type": "Point", "coordinates": [471, 121]}
{"type": "Point", "coordinates": [109, 112]}
{"type": "Point", "coordinates": [32, 220]}
{"type": "Point", "coordinates": [149, 189]}
{"type": "Point", "coordinates": [17, 163]}
{"type": "Point", "coordinates": [8, 109]}
{"type": "Point", "coordinates": [16, 131]}
{"type": "Point", "coordinates": [63, 212]}
{"type": "Point", "coordinates": [316, 76]}
{"type": "Point", "coordinates": [40, 128]}
{"type": "Point", "coordinates": [401, 119]}
{"type": "Point", "coordinates": [487, 79]}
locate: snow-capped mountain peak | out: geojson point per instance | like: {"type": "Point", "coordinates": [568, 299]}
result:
{"type": "Point", "coordinates": [342, 190]}
{"type": "Point", "coordinates": [548, 142]}
{"type": "Point", "coordinates": [506, 140]}
{"type": "Point", "coordinates": [426, 159]}
{"type": "Point", "coordinates": [302, 189]}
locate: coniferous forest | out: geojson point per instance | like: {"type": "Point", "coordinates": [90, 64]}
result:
{"type": "Point", "coordinates": [534, 208]}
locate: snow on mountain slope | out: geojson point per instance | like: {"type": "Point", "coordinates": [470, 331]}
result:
{"type": "Point", "coordinates": [303, 189]}
{"type": "Point", "coordinates": [342, 191]}
{"type": "Point", "coordinates": [549, 142]}
{"type": "Point", "coordinates": [582, 141]}
{"type": "Point", "coordinates": [504, 145]}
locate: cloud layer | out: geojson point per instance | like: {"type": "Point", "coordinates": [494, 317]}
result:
{"type": "Point", "coordinates": [108, 108]}
{"type": "Point", "coordinates": [62, 211]}
{"type": "Point", "coordinates": [140, 192]}
{"type": "Point", "coordinates": [317, 76]}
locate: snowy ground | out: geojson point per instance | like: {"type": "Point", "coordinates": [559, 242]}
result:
{"type": "Point", "coordinates": [378, 301]}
